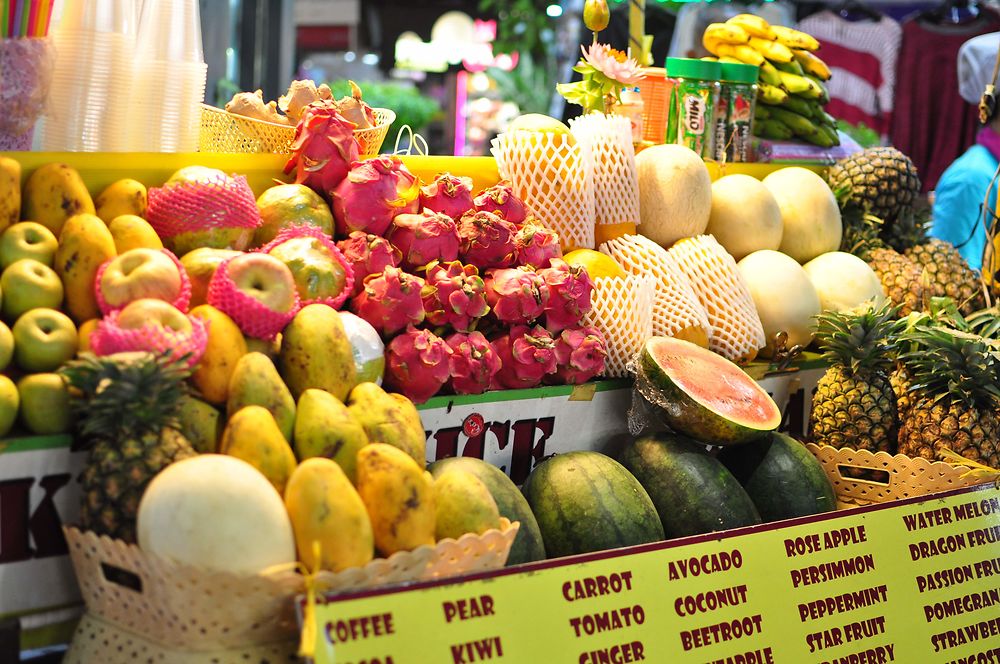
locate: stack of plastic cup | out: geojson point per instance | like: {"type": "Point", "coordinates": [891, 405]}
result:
{"type": "Point", "coordinates": [169, 75]}
{"type": "Point", "coordinates": [94, 43]}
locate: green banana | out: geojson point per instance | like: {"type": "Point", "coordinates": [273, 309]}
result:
{"type": "Point", "coordinates": [830, 133]}
{"type": "Point", "coordinates": [793, 84]}
{"type": "Point", "coordinates": [816, 90]}
{"type": "Point", "coordinates": [801, 106]}
{"type": "Point", "coordinates": [769, 74]}
{"type": "Point", "coordinates": [760, 113]}
{"type": "Point", "coordinates": [773, 129]}
{"type": "Point", "coordinates": [802, 126]}
{"type": "Point", "coordinates": [792, 67]}
{"type": "Point", "coordinates": [827, 119]}
{"type": "Point", "coordinates": [770, 94]}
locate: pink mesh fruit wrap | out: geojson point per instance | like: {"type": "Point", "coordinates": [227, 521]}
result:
{"type": "Point", "coordinates": [182, 301]}
{"type": "Point", "coordinates": [253, 317]}
{"type": "Point", "coordinates": [179, 207]}
{"type": "Point", "coordinates": [109, 339]}
{"type": "Point", "coordinates": [307, 230]}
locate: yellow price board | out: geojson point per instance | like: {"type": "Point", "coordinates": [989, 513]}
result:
{"type": "Point", "coordinates": [910, 582]}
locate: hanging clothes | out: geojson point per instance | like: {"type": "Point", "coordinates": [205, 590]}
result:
{"type": "Point", "coordinates": [862, 58]}
{"type": "Point", "coordinates": [931, 122]}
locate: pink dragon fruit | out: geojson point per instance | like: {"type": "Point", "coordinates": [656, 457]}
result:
{"type": "Point", "coordinates": [501, 201]}
{"type": "Point", "coordinates": [517, 295]}
{"type": "Point", "coordinates": [373, 193]}
{"type": "Point", "coordinates": [473, 363]}
{"type": "Point", "coordinates": [487, 240]}
{"type": "Point", "coordinates": [422, 238]}
{"type": "Point", "coordinates": [536, 245]}
{"type": "Point", "coordinates": [367, 254]}
{"type": "Point", "coordinates": [448, 194]}
{"type": "Point", "coordinates": [417, 364]}
{"type": "Point", "coordinates": [527, 355]}
{"type": "Point", "coordinates": [390, 301]}
{"type": "Point", "coordinates": [580, 353]}
{"type": "Point", "coordinates": [569, 294]}
{"type": "Point", "coordinates": [454, 295]}
{"type": "Point", "coordinates": [323, 149]}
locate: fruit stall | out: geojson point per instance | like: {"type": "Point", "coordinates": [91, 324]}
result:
{"type": "Point", "coordinates": [594, 398]}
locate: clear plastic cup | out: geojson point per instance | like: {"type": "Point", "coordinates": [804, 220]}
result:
{"type": "Point", "coordinates": [170, 30]}
{"type": "Point", "coordinates": [99, 16]}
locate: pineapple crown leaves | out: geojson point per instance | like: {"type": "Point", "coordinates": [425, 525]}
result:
{"type": "Point", "coordinates": [862, 231]}
{"type": "Point", "coordinates": [860, 340]}
{"type": "Point", "coordinates": [125, 394]}
{"type": "Point", "coordinates": [946, 363]}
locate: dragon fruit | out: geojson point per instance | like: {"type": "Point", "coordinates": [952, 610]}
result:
{"type": "Point", "coordinates": [473, 363]}
{"type": "Point", "coordinates": [536, 245]}
{"type": "Point", "coordinates": [448, 194]}
{"type": "Point", "coordinates": [501, 201]}
{"type": "Point", "coordinates": [454, 295]}
{"type": "Point", "coordinates": [569, 294]}
{"type": "Point", "coordinates": [390, 301]}
{"type": "Point", "coordinates": [367, 254]}
{"type": "Point", "coordinates": [487, 240]}
{"type": "Point", "coordinates": [323, 149]}
{"type": "Point", "coordinates": [422, 238]}
{"type": "Point", "coordinates": [580, 353]}
{"type": "Point", "coordinates": [517, 295]}
{"type": "Point", "coordinates": [527, 355]}
{"type": "Point", "coordinates": [373, 193]}
{"type": "Point", "coordinates": [417, 364]}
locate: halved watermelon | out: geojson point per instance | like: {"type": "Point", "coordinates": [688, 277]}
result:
{"type": "Point", "coordinates": [704, 395]}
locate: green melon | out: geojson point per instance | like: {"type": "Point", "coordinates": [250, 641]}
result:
{"type": "Point", "coordinates": [704, 395]}
{"type": "Point", "coordinates": [692, 491]}
{"type": "Point", "coordinates": [782, 477]}
{"type": "Point", "coordinates": [585, 501]}
{"type": "Point", "coordinates": [527, 545]}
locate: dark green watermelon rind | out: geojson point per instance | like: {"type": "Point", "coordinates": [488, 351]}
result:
{"type": "Point", "coordinates": [527, 546]}
{"type": "Point", "coordinates": [692, 491]}
{"type": "Point", "coordinates": [586, 501]}
{"type": "Point", "coordinates": [782, 477]}
{"type": "Point", "coordinates": [684, 414]}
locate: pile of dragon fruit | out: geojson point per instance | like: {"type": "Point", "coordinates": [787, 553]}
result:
{"type": "Point", "coordinates": [469, 292]}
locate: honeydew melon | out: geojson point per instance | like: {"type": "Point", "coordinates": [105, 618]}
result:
{"type": "Point", "coordinates": [745, 216]}
{"type": "Point", "coordinates": [675, 193]}
{"type": "Point", "coordinates": [785, 298]}
{"type": "Point", "coordinates": [810, 215]}
{"type": "Point", "coordinates": [844, 282]}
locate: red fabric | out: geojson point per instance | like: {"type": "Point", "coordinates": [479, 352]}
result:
{"type": "Point", "coordinates": [931, 122]}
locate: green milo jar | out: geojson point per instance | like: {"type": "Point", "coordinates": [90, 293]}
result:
{"type": "Point", "coordinates": [694, 93]}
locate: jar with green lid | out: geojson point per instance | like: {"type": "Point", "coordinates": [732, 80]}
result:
{"type": "Point", "coordinates": [694, 93]}
{"type": "Point", "coordinates": [734, 112]}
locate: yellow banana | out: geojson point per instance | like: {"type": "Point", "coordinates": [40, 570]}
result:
{"type": "Point", "coordinates": [794, 84]}
{"type": "Point", "coordinates": [768, 74]}
{"type": "Point", "coordinates": [795, 38]}
{"type": "Point", "coordinates": [755, 25]}
{"type": "Point", "coordinates": [710, 58]}
{"type": "Point", "coordinates": [811, 64]}
{"type": "Point", "coordinates": [717, 34]}
{"type": "Point", "coordinates": [742, 52]}
{"type": "Point", "coordinates": [770, 94]}
{"type": "Point", "coordinates": [771, 50]}
{"type": "Point", "coordinates": [730, 60]}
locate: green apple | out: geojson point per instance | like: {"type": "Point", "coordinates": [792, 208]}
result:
{"type": "Point", "coordinates": [6, 346]}
{"type": "Point", "coordinates": [45, 404]}
{"type": "Point", "coordinates": [200, 265]}
{"type": "Point", "coordinates": [265, 279]}
{"type": "Point", "coordinates": [28, 284]}
{"type": "Point", "coordinates": [43, 340]}
{"type": "Point", "coordinates": [9, 402]}
{"type": "Point", "coordinates": [137, 274]}
{"type": "Point", "coordinates": [288, 204]}
{"type": "Point", "coordinates": [158, 313]}
{"type": "Point", "coordinates": [317, 274]}
{"type": "Point", "coordinates": [27, 239]}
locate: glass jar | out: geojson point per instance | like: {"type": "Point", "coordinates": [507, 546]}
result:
{"type": "Point", "coordinates": [734, 114]}
{"type": "Point", "coordinates": [694, 93]}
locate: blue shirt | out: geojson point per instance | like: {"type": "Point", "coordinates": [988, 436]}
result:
{"type": "Point", "coordinates": [958, 199]}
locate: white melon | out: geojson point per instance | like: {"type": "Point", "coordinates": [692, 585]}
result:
{"type": "Point", "coordinates": [367, 347]}
{"type": "Point", "coordinates": [675, 193]}
{"type": "Point", "coordinates": [809, 213]}
{"type": "Point", "coordinates": [785, 298]}
{"type": "Point", "coordinates": [745, 216]}
{"type": "Point", "coordinates": [844, 281]}
{"type": "Point", "coordinates": [216, 512]}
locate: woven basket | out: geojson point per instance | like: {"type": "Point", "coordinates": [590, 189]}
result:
{"type": "Point", "coordinates": [895, 477]}
{"type": "Point", "coordinates": [230, 133]}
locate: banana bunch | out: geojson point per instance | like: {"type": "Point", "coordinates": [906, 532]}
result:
{"type": "Point", "coordinates": [790, 87]}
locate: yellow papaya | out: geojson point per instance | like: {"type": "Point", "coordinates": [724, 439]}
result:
{"type": "Point", "coordinates": [125, 196]}
{"type": "Point", "coordinates": [132, 232]}
{"type": "Point", "coordinates": [84, 243]}
{"type": "Point", "coordinates": [10, 192]}
{"type": "Point", "coordinates": [399, 497]}
{"type": "Point", "coordinates": [252, 435]}
{"type": "Point", "coordinates": [54, 193]}
{"type": "Point", "coordinates": [223, 350]}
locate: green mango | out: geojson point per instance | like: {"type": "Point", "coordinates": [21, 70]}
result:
{"type": "Point", "coordinates": [252, 435]}
{"type": "Point", "coordinates": [316, 352]}
{"type": "Point", "coordinates": [324, 427]}
{"type": "Point", "coordinates": [389, 418]}
{"type": "Point", "coordinates": [201, 424]}
{"type": "Point", "coordinates": [255, 382]}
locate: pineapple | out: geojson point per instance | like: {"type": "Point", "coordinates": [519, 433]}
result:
{"type": "Point", "coordinates": [854, 404]}
{"type": "Point", "coordinates": [954, 395]}
{"type": "Point", "coordinates": [948, 274]}
{"type": "Point", "coordinates": [882, 181]}
{"type": "Point", "coordinates": [127, 405]}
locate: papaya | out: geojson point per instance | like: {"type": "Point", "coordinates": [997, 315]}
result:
{"type": "Point", "coordinates": [53, 194]}
{"type": "Point", "coordinates": [399, 498]}
{"type": "Point", "coordinates": [462, 504]}
{"type": "Point", "coordinates": [255, 382]}
{"type": "Point", "coordinates": [132, 232]}
{"type": "Point", "coordinates": [84, 244]}
{"type": "Point", "coordinates": [324, 427]}
{"type": "Point", "coordinates": [224, 348]}
{"type": "Point", "coordinates": [315, 352]}
{"type": "Point", "coordinates": [122, 197]}
{"type": "Point", "coordinates": [253, 436]}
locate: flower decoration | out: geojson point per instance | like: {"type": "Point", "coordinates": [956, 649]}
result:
{"type": "Point", "coordinates": [605, 72]}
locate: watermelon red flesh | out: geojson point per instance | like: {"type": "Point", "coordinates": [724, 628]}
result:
{"type": "Point", "coordinates": [692, 491]}
{"type": "Point", "coordinates": [527, 545]}
{"type": "Point", "coordinates": [704, 395]}
{"type": "Point", "coordinates": [585, 501]}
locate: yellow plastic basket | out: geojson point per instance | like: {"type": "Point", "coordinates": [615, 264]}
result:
{"type": "Point", "coordinates": [223, 132]}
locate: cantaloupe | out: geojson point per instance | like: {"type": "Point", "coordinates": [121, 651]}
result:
{"type": "Point", "coordinates": [745, 216]}
{"type": "Point", "coordinates": [675, 193]}
{"type": "Point", "coordinates": [809, 213]}
{"type": "Point", "coordinates": [785, 298]}
{"type": "Point", "coordinates": [216, 512]}
{"type": "Point", "coordinates": [843, 281]}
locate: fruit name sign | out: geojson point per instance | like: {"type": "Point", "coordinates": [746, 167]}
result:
{"type": "Point", "coordinates": [904, 582]}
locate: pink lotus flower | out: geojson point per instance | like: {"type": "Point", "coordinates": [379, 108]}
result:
{"type": "Point", "coordinates": [614, 64]}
